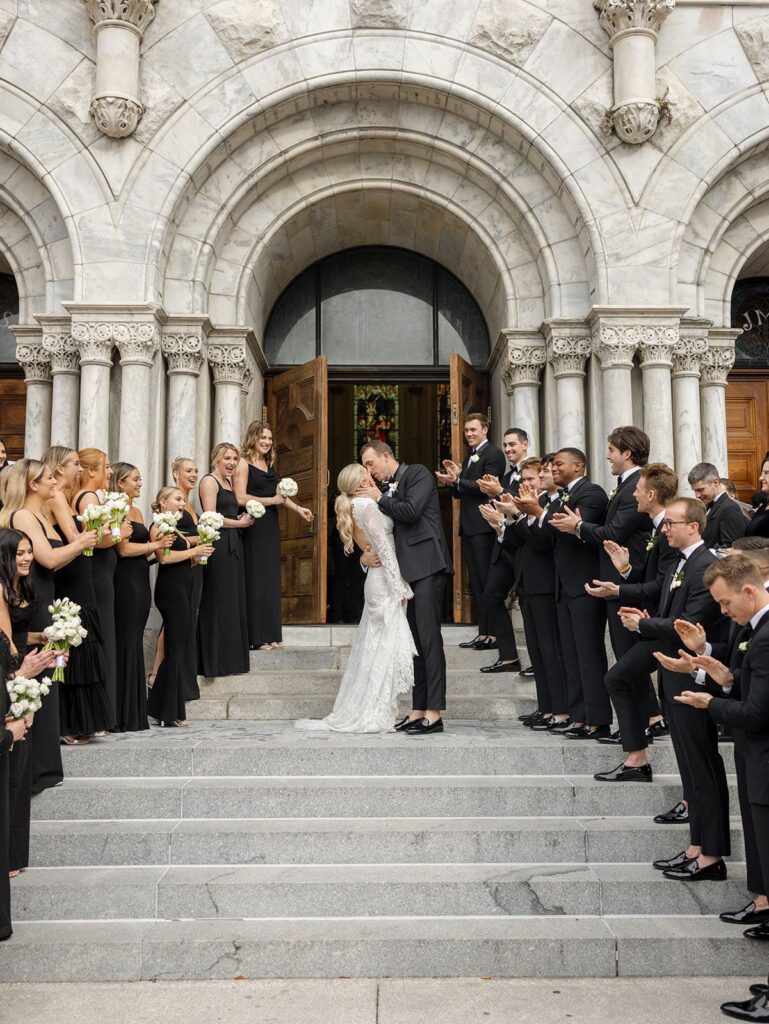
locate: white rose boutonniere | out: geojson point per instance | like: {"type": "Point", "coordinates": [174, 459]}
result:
{"type": "Point", "coordinates": [474, 457]}
{"type": "Point", "coordinates": [745, 646]}
{"type": "Point", "coordinates": [612, 493]}
{"type": "Point", "coordinates": [392, 487]}
{"type": "Point", "coordinates": [652, 541]}
{"type": "Point", "coordinates": [677, 580]}
{"type": "Point", "coordinates": [516, 477]}
{"type": "Point", "coordinates": [565, 495]}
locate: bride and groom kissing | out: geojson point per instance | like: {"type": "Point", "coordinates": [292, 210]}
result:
{"type": "Point", "coordinates": [398, 643]}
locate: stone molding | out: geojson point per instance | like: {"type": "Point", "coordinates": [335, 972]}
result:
{"type": "Point", "coordinates": [138, 13]}
{"type": "Point", "coordinates": [615, 346]}
{"type": "Point", "coordinates": [716, 363]}
{"type": "Point", "coordinates": [63, 351]}
{"type": "Point", "coordinates": [184, 352]}
{"type": "Point", "coordinates": [568, 354]}
{"type": "Point", "coordinates": [656, 345]}
{"type": "Point", "coordinates": [618, 16]}
{"type": "Point", "coordinates": [228, 362]}
{"type": "Point", "coordinates": [524, 366]}
{"type": "Point", "coordinates": [636, 122]}
{"type": "Point", "coordinates": [94, 341]}
{"type": "Point", "coordinates": [248, 379]}
{"type": "Point", "coordinates": [136, 342]}
{"type": "Point", "coordinates": [116, 116]}
{"type": "Point", "coordinates": [31, 355]}
{"type": "Point", "coordinates": [691, 346]}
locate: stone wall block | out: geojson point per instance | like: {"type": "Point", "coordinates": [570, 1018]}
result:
{"type": "Point", "coordinates": [379, 13]}
{"type": "Point", "coordinates": [509, 29]}
{"type": "Point", "coordinates": [247, 27]}
{"type": "Point", "coordinates": [754, 36]}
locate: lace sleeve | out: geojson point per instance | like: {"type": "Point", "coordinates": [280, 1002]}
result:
{"type": "Point", "coordinates": [370, 519]}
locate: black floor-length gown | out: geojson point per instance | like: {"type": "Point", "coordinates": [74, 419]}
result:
{"type": "Point", "coordinates": [84, 706]}
{"type": "Point", "coordinates": [21, 760]}
{"type": "Point", "coordinates": [176, 675]}
{"type": "Point", "coordinates": [188, 527]}
{"type": "Point", "coordinates": [44, 736]}
{"type": "Point", "coordinates": [6, 742]}
{"type": "Point", "coordinates": [261, 556]}
{"type": "Point", "coordinates": [133, 599]}
{"type": "Point", "coordinates": [222, 625]}
{"type": "Point", "coordinates": [103, 568]}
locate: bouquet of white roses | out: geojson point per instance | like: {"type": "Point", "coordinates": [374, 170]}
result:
{"type": "Point", "coordinates": [94, 517]}
{"type": "Point", "coordinates": [118, 506]}
{"type": "Point", "coordinates": [165, 522]}
{"type": "Point", "coordinates": [255, 508]}
{"type": "Point", "coordinates": [288, 487]}
{"type": "Point", "coordinates": [26, 696]}
{"type": "Point", "coordinates": [65, 631]}
{"type": "Point", "coordinates": [209, 525]}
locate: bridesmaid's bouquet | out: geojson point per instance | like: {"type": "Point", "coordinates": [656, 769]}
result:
{"type": "Point", "coordinates": [288, 487]}
{"type": "Point", "coordinates": [165, 522]}
{"type": "Point", "coordinates": [209, 525]}
{"type": "Point", "coordinates": [94, 517]}
{"type": "Point", "coordinates": [118, 506]}
{"type": "Point", "coordinates": [26, 695]}
{"type": "Point", "coordinates": [255, 508]}
{"type": "Point", "coordinates": [65, 631]}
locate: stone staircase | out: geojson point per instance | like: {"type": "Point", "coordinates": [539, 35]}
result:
{"type": "Point", "coordinates": [242, 848]}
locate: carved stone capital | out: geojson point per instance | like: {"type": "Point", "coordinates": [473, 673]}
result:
{"type": "Point", "coordinates": [616, 344]}
{"type": "Point", "coordinates": [183, 351]}
{"type": "Point", "coordinates": [687, 355]}
{"type": "Point", "coordinates": [228, 363]}
{"type": "Point", "coordinates": [138, 13]}
{"type": "Point", "coordinates": [636, 122]}
{"type": "Point", "coordinates": [94, 341]}
{"type": "Point", "coordinates": [136, 342]}
{"type": "Point", "coordinates": [715, 366]}
{"type": "Point", "coordinates": [524, 366]}
{"type": "Point", "coordinates": [567, 353]}
{"type": "Point", "coordinates": [620, 15]}
{"type": "Point", "coordinates": [656, 345]}
{"type": "Point", "coordinates": [34, 361]}
{"type": "Point", "coordinates": [116, 116]}
{"type": "Point", "coordinates": [62, 350]}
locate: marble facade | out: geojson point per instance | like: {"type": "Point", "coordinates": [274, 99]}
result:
{"type": "Point", "coordinates": [167, 167]}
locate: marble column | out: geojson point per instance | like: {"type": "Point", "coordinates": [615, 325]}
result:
{"type": "Point", "coordinates": [33, 359]}
{"type": "Point", "coordinates": [62, 350]}
{"type": "Point", "coordinates": [137, 344]}
{"type": "Point", "coordinates": [687, 423]}
{"type": "Point", "coordinates": [94, 340]}
{"type": "Point", "coordinates": [717, 360]}
{"type": "Point", "coordinates": [567, 353]}
{"type": "Point", "coordinates": [184, 349]}
{"type": "Point", "coordinates": [657, 342]}
{"type": "Point", "coordinates": [615, 346]}
{"type": "Point", "coordinates": [228, 366]}
{"type": "Point", "coordinates": [526, 356]}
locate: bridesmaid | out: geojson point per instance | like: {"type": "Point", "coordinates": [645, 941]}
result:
{"type": "Point", "coordinates": [759, 524]}
{"type": "Point", "coordinates": [173, 598]}
{"type": "Point", "coordinates": [133, 599]}
{"type": "Point", "coordinates": [256, 477]}
{"type": "Point", "coordinates": [222, 626]}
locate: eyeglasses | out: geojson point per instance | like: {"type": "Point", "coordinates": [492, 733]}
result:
{"type": "Point", "coordinates": [667, 523]}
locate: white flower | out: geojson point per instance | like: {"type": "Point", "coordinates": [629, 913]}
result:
{"type": "Point", "coordinates": [392, 487]}
{"type": "Point", "coordinates": [745, 646]}
{"type": "Point", "coordinates": [288, 487]}
{"type": "Point", "coordinates": [677, 580]}
{"type": "Point", "coordinates": [516, 477]}
{"type": "Point", "coordinates": [255, 509]}
{"type": "Point", "coordinates": [474, 457]}
{"type": "Point", "coordinates": [165, 522]}
{"type": "Point", "coordinates": [651, 542]}
{"type": "Point", "coordinates": [612, 493]}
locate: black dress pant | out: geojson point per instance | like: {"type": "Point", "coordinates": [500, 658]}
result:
{"type": "Point", "coordinates": [628, 683]}
{"type": "Point", "coordinates": [621, 642]}
{"type": "Point", "coordinates": [760, 816]}
{"type": "Point", "coordinates": [695, 741]}
{"type": "Point", "coordinates": [424, 614]}
{"type": "Point", "coordinates": [581, 625]}
{"type": "Point", "coordinates": [757, 882]}
{"type": "Point", "coordinates": [500, 579]}
{"type": "Point", "coordinates": [540, 623]}
{"type": "Point", "coordinates": [476, 554]}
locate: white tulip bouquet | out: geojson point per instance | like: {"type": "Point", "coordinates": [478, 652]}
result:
{"type": "Point", "coordinates": [118, 507]}
{"type": "Point", "coordinates": [94, 517]}
{"type": "Point", "coordinates": [288, 487]}
{"type": "Point", "coordinates": [255, 508]}
{"type": "Point", "coordinates": [209, 525]}
{"type": "Point", "coordinates": [26, 696]}
{"type": "Point", "coordinates": [65, 631]}
{"type": "Point", "coordinates": [165, 522]}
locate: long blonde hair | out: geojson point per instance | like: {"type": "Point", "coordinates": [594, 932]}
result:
{"type": "Point", "coordinates": [56, 456]}
{"type": "Point", "coordinates": [16, 481]}
{"type": "Point", "coordinates": [348, 482]}
{"type": "Point", "coordinates": [219, 450]}
{"type": "Point", "coordinates": [253, 432]}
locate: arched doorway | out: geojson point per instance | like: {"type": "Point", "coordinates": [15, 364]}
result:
{"type": "Point", "coordinates": [375, 332]}
{"type": "Point", "coordinates": [747, 395]}
{"type": "Point", "coordinates": [13, 392]}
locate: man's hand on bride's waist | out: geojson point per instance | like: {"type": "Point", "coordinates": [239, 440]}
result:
{"type": "Point", "coordinates": [370, 559]}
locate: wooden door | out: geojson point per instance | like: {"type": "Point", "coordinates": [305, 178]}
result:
{"type": "Point", "coordinates": [298, 411]}
{"type": "Point", "coordinates": [13, 407]}
{"type": "Point", "coordinates": [747, 428]}
{"type": "Point", "coordinates": [469, 393]}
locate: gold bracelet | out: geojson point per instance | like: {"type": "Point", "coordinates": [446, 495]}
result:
{"type": "Point", "coordinates": [627, 568]}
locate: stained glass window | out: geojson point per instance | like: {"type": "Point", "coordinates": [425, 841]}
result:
{"type": "Point", "coordinates": [750, 311]}
{"type": "Point", "coordinates": [376, 412]}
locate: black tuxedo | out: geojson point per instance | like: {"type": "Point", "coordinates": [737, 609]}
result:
{"type": "Point", "coordinates": [725, 522]}
{"type": "Point", "coordinates": [643, 586]}
{"type": "Point", "coordinates": [478, 538]}
{"type": "Point", "coordinates": [581, 619]}
{"type": "Point", "coordinates": [424, 561]}
{"type": "Point", "coordinates": [500, 578]}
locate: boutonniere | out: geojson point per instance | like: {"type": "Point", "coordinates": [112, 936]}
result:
{"type": "Point", "coordinates": [565, 495]}
{"type": "Point", "coordinates": [612, 493]}
{"type": "Point", "coordinates": [677, 580]}
{"type": "Point", "coordinates": [392, 487]}
{"type": "Point", "coordinates": [745, 646]}
{"type": "Point", "coordinates": [652, 541]}
{"type": "Point", "coordinates": [474, 457]}
{"type": "Point", "coordinates": [516, 477]}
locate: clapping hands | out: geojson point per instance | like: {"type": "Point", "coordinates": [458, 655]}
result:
{"type": "Point", "coordinates": [692, 635]}
{"type": "Point", "coordinates": [528, 500]}
{"type": "Point", "coordinates": [490, 485]}
{"type": "Point", "coordinates": [566, 520]}
{"type": "Point", "coordinates": [620, 557]}
{"type": "Point", "coordinates": [450, 473]}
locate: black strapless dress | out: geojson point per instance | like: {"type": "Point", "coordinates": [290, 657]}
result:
{"type": "Point", "coordinates": [6, 742]}
{"type": "Point", "coordinates": [189, 528]}
{"type": "Point", "coordinates": [133, 598]}
{"type": "Point", "coordinates": [21, 762]}
{"type": "Point", "coordinates": [222, 626]}
{"type": "Point", "coordinates": [177, 672]}
{"type": "Point", "coordinates": [261, 555]}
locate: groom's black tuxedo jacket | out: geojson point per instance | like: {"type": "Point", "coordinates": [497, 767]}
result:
{"type": "Point", "coordinates": [490, 460]}
{"type": "Point", "coordinates": [420, 542]}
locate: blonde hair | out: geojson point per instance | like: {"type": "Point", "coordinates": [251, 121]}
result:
{"type": "Point", "coordinates": [120, 473]}
{"type": "Point", "coordinates": [16, 481]}
{"type": "Point", "coordinates": [93, 460]}
{"type": "Point", "coordinates": [219, 451]}
{"type": "Point", "coordinates": [348, 482]}
{"type": "Point", "coordinates": [178, 462]}
{"type": "Point", "coordinates": [253, 432]}
{"type": "Point", "coordinates": [163, 493]}
{"type": "Point", "coordinates": [54, 458]}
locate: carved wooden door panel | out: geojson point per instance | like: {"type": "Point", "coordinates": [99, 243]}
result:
{"type": "Point", "coordinates": [297, 403]}
{"type": "Point", "coordinates": [469, 393]}
{"type": "Point", "coordinates": [13, 405]}
{"type": "Point", "coordinates": [747, 426]}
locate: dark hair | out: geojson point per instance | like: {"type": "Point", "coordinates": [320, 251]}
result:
{"type": "Point", "coordinates": [694, 510]}
{"type": "Point", "coordinates": [380, 447]}
{"type": "Point", "coordinates": [575, 453]}
{"type": "Point", "coordinates": [519, 432]}
{"type": "Point", "coordinates": [661, 479]}
{"type": "Point", "coordinates": [634, 440]}
{"type": "Point", "coordinates": [547, 458]}
{"type": "Point", "coordinates": [703, 471]}
{"type": "Point", "coordinates": [482, 418]}
{"type": "Point", "coordinates": [730, 486]}
{"type": "Point", "coordinates": [17, 592]}
{"type": "Point", "coordinates": [735, 571]}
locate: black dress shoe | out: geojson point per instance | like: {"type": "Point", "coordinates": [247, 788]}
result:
{"type": "Point", "coordinates": [531, 722]}
{"type": "Point", "coordinates": [585, 733]}
{"type": "Point", "coordinates": [544, 723]}
{"type": "Point", "coordinates": [563, 727]}
{"type": "Point", "coordinates": [724, 736]}
{"type": "Point", "coordinates": [527, 673]}
{"type": "Point", "coordinates": [657, 731]}
{"type": "Point", "coordinates": [748, 915]}
{"type": "Point", "coordinates": [471, 643]}
{"type": "Point", "coordinates": [486, 645]}
{"type": "Point", "coordinates": [760, 932]}
{"type": "Point", "coordinates": [677, 815]}
{"type": "Point", "coordinates": [531, 714]}
{"type": "Point", "coordinates": [424, 728]}
{"type": "Point", "coordinates": [673, 862]}
{"type": "Point", "coordinates": [501, 666]}
{"type": "Point", "coordinates": [614, 738]}
{"type": "Point", "coordinates": [624, 773]}
{"type": "Point", "coordinates": [404, 724]}
{"type": "Point", "coordinates": [759, 989]}
{"type": "Point", "coordinates": [756, 1009]}
{"type": "Point", "coordinates": [576, 732]}
{"type": "Point", "coordinates": [692, 872]}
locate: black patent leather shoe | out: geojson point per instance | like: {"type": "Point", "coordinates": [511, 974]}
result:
{"type": "Point", "coordinates": [678, 815]}
{"type": "Point", "coordinates": [624, 773]}
{"type": "Point", "coordinates": [759, 989]}
{"type": "Point", "coordinates": [486, 645]}
{"type": "Point", "coordinates": [470, 643]}
{"type": "Point", "coordinates": [692, 872]}
{"type": "Point", "coordinates": [404, 724]}
{"type": "Point", "coordinates": [545, 723]}
{"type": "Point", "coordinates": [673, 862]}
{"type": "Point", "coordinates": [501, 666]}
{"type": "Point", "coordinates": [748, 915]}
{"type": "Point", "coordinates": [534, 720]}
{"type": "Point", "coordinates": [585, 733]}
{"type": "Point", "coordinates": [424, 728]}
{"type": "Point", "coordinates": [755, 1009]}
{"type": "Point", "coordinates": [531, 714]}
{"type": "Point", "coordinates": [657, 731]}
{"type": "Point", "coordinates": [615, 738]}
{"type": "Point", "coordinates": [760, 932]}
{"type": "Point", "coordinates": [563, 727]}
{"type": "Point", "coordinates": [527, 673]}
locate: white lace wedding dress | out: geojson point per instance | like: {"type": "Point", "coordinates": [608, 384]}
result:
{"type": "Point", "coordinates": [381, 661]}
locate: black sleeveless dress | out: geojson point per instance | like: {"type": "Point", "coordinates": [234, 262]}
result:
{"type": "Point", "coordinates": [21, 762]}
{"type": "Point", "coordinates": [103, 566]}
{"type": "Point", "coordinates": [176, 675]}
{"type": "Point", "coordinates": [261, 554]}
{"type": "Point", "coordinates": [6, 742]}
{"type": "Point", "coordinates": [44, 736]}
{"type": "Point", "coordinates": [133, 598]}
{"type": "Point", "coordinates": [188, 527]}
{"type": "Point", "coordinates": [84, 707]}
{"type": "Point", "coordinates": [222, 626]}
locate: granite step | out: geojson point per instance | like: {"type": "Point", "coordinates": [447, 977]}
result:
{"type": "Point", "coordinates": [325, 683]}
{"type": "Point", "coordinates": [310, 659]}
{"type": "Point", "coordinates": [388, 840]}
{"type": "Point", "coordinates": [545, 946]}
{"type": "Point", "coordinates": [323, 890]}
{"type": "Point", "coordinates": [480, 706]}
{"type": "Point", "coordinates": [355, 797]}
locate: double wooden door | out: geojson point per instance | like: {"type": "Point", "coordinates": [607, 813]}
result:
{"type": "Point", "coordinates": [747, 428]}
{"type": "Point", "coordinates": [13, 406]}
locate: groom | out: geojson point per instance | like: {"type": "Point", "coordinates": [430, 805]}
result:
{"type": "Point", "coordinates": [411, 500]}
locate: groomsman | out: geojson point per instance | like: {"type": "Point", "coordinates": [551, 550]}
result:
{"type": "Point", "coordinates": [725, 519]}
{"type": "Point", "coordinates": [478, 539]}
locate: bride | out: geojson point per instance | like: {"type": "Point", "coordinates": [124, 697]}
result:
{"type": "Point", "coordinates": [381, 661]}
